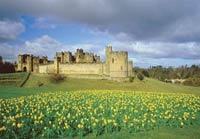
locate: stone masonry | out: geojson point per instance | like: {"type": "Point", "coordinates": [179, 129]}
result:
{"type": "Point", "coordinates": [116, 64]}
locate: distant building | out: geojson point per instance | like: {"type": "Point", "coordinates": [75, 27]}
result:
{"type": "Point", "coordinates": [116, 64]}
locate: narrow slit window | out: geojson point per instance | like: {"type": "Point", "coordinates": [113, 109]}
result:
{"type": "Point", "coordinates": [112, 60]}
{"type": "Point", "coordinates": [121, 68]}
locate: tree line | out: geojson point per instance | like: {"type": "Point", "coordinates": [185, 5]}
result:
{"type": "Point", "coordinates": [6, 67]}
{"type": "Point", "coordinates": [191, 74]}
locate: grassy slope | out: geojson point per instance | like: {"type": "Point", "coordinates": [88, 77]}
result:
{"type": "Point", "coordinates": [31, 87]}
{"type": "Point", "coordinates": [14, 79]}
{"type": "Point", "coordinates": [82, 84]}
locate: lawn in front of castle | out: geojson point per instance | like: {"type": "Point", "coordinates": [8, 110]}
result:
{"type": "Point", "coordinates": [86, 108]}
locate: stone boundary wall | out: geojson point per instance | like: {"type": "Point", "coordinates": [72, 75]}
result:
{"type": "Point", "coordinates": [94, 69]}
{"type": "Point", "coordinates": [47, 68]}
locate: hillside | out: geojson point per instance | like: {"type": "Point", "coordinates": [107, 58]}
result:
{"type": "Point", "coordinates": [148, 84]}
{"type": "Point", "coordinates": [41, 83]}
{"type": "Point", "coordinates": [13, 79]}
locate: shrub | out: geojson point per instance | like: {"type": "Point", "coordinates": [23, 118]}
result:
{"type": "Point", "coordinates": [40, 84]}
{"type": "Point", "coordinates": [192, 81]}
{"type": "Point", "coordinates": [140, 76]}
{"type": "Point", "coordinates": [131, 78]}
{"type": "Point", "coordinates": [145, 73]}
{"type": "Point", "coordinates": [57, 78]}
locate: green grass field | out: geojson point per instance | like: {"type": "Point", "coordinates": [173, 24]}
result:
{"type": "Point", "coordinates": [32, 87]}
{"type": "Point", "coordinates": [191, 132]}
{"type": "Point", "coordinates": [10, 90]}
{"type": "Point", "coordinates": [83, 84]}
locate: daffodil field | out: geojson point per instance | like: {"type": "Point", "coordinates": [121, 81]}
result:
{"type": "Point", "coordinates": [78, 113]}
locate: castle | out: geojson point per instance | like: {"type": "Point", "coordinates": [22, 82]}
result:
{"type": "Point", "coordinates": [116, 64]}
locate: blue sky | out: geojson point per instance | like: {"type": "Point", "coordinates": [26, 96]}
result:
{"type": "Point", "coordinates": [154, 32]}
{"type": "Point", "coordinates": [68, 33]}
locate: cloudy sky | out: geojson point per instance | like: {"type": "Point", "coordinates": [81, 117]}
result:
{"type": "Point", "coordinates": [154, 32]}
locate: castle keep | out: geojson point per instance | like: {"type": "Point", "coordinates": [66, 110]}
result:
{"type": "Point", "coordinates": [116, 64]}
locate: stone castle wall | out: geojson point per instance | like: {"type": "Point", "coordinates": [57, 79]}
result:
{"type": "Point", "coordinates": [116, 64]}
{"type": "Point", "coordinates": [48, 68]}
{"type": "Point", "coordinates": [85, 69]}
{"type": "Point", "coordinates": [81, 68]}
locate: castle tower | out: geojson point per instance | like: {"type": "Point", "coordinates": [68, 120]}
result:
{"type": "Point", "coordinates": [36, 64]}
{"type": "Point", "coordinates": [29, 63]}
{"type": "Point", "coordinates": [89, 58]}
{"type": "Point", "coordinates": [108, 52]}
{"type": "Point", "coordinates": [97, 59]}
{"type": "Point", "coordinates": [130, 68]}
{"type": "Point", "coordinates": [20, 62]}
{"type": "Point", "coordinates": [119, 64]}
{"type": "Point", "coordinates": [79, 55]}
{"type": "Point", "coordinates": [67, 57]}
{"type": "Point", "coordinates": [56, 65]}
{"type": "Point", "coordinates": [45, 59]}
{"type": "Point", "coordinates": [61, 56]}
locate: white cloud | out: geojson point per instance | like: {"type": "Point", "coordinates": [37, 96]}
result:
{"type": "Point", "coordinates": [140, 20]}
{"type": "Point", "coordinates": [9, 30]}
{"type": "Point", "coordinates": [142, 53]}
{"type": "Point", "coordinates": [160, 49]}
{"type": "Point", "coordinates": [166, 62]}
{"type": "Point", "coordinates": [7, 52]}
{"type": "Point", "coordinates": [45, 46]}
{"type": "Point", "coordinates": [44, 23]}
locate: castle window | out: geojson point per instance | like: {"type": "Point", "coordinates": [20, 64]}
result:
{"type": "Point", "coordinates": [112, 60]}
{"type": "Point", "coordinates": [24, 60]}
{"type": "Point", "coordinates": [121, 68]}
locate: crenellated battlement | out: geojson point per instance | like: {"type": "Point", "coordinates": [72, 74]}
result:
{"type": "Point", "coordinates": [116, 64]}
{"type": "Point", "coordinates": [120, 52]}
{"type": "Point", "coordinates": [79, 57]}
